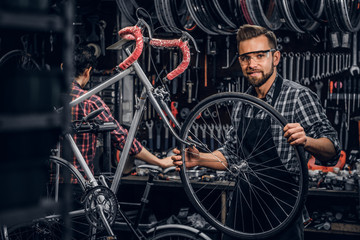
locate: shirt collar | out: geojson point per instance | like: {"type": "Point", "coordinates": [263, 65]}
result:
{"type": "Point", "coordinates": [270, 93]}
{"type": "Point", "coordinates": [76, 84]}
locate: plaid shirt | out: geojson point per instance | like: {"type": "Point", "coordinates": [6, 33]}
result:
{"type": "Point", "coordinates": [86, 142]}
{"type": "Point", "coordinates": [297, 104]}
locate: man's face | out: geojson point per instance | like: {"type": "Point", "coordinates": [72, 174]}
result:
{"type": "Point", "coordinates": [256, 59]}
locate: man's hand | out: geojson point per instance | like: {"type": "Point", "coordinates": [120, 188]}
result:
{"type": "Point", "coordinates": [295, 134]}
{"type": "Point", "coordinates": [192, 157]}
{"type": "Point", "coordinates": [166, 162]}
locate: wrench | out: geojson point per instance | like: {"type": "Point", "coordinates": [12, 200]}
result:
{"type": "Point", "coordinates": [211, 129]}
{"type": "Point", "coordinates": [317, 77]}
{"type": "Point", "coordinates": [323, 68]}
{"type": "Point", "coordinates": [303, 63]}
{"type": "Point", "coordinates": [284, 55]}
{"type": "Point", "coordinates": [218, 134]}
{"type": "Point", "coordinates": [332, 58]}
{"type": "Point", "coordinates": [297, 68]}
{"type": "Point", "coordinates": [327, 73]}
{"type": "Point", "coordinates": [195, 127]}
{"type": "Point", "coordinates": [312, 78]}
{"type": "Point", "coordinates": [337, 63]}
{"type": "Point", "coordinates": [291, 64]}
{"type": "Point", "coordinates": [158, 135]}
{"type": "Point", "coordinates": [203, 133]}
{"type": "Point", "coordinates": [226, 128]}
{"type": "Point", "coordinates": [318, 86]}
{"type": "Point", "coordinates": [354, 69]}
{"type": "Point", "coordinates": [166, 143]}
{"type": "Point", "coordinates": [307, 68]}
{"type": "Point", "coordinates": [102, 26]}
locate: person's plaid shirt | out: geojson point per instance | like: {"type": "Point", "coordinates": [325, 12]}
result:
{"type": "Point", "coordinates": [86, 142]}
{"type": "Point", "coordinates": [297, 104]}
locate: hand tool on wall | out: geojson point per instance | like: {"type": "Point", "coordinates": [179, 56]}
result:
{"type": "Point", "coordinates": [317, 77]}
{"type": "Point", "coordinates": [313, 60]}
{"type": "Point", "coordinates": [354, 90]}
{"type": "Point", "coordinates": [327, 69]}
{"type": "Point", "coordinates": [174, 111]}
{"type": "Point", "coordinates": [93, 37]}
{"type": "Point", "coordinates": [183, 81]}
{"type": "Point", "coordinates": [303, 63]}
{"type": "Point", "coordinates": [323, 65]}
{"type": "Point", "coordinates": [190, 84]}
{"type": "Point", "coordinates": [297, 67]}
{"type": "Point", "coordinates": [354, 69]}
{"type": "Point", "coordinates": [173, 65]}
{"type": "Point", "coordinates": [218, 134]}
{"type": "Point", "coordinates": [291, 65]}
{"type": "Point", "coordinates": [284, 65]}
{"type": "Point", "coordinates": [195, 130]}
{"type": "Point", "coordinates": [166, 139]}
{"type": "Point", "coordinates": [203, 132]}
{"type": "Point", "coordinates": [211, 51]}
{"type": "Point", "coordinates": [102, 26]}
{"type": "Point", "coordinates": [227, 44]}
{"type": "Point", "coordinates": [307, 68]}
{"type": "Point", "coordinates": [318, 86]}
{"type": "Point", "coordinates": [211, 130]}
{"type": "Point", "coordinates": [158, 126]}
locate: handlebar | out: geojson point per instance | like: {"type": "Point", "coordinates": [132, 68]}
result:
{"type": "Point", "coordinates": [132, 33]}
{"type": "Point", "coordinates": [183, 45]}
{"type": "Point", "coordinates": [135, 33]}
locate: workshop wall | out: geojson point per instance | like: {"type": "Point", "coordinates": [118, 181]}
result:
{"type": "Point", "coordinates": [318, 39]}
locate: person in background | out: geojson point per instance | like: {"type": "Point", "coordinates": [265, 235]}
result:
{"type": "Point", "coordinates": [84, 61]}
{"type": "Point", "coordinates": [307, 126]}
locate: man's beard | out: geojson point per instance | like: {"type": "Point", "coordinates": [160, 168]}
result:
{"type": "Point", "coordinates": [262, 80]}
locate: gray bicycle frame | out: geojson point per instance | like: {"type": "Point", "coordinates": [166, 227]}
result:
{"type": "Point", "coordinates": [157, 102]}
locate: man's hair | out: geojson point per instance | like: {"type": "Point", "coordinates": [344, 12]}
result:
{"type": "Point", "coordinates": [83, 59]}
{"type": "Point", "coordinates": [248, 31]}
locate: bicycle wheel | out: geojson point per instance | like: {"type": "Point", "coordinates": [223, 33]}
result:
{"type": "Point", "coordinates": [20, 60]}
{"type": "Point", "coordinates": [176, 232]}
{"type": "Point", "coordinates": [79, 221]}
{"type": "Point", "coordinates": [262, 189]}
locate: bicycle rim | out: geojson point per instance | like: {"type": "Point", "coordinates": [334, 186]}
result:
{"type": "Point", "coordinates": [57, 224]}
{"type": "Point", "coordinates": [259, 193]}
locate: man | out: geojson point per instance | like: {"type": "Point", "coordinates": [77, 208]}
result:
{"type": "Point", "coordinates": [308, 125]}
{"type": "Point", "coordinates": [84, 61]}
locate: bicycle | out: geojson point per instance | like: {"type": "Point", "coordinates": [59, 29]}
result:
{"type": "Point", "coordinates": [213, 193]}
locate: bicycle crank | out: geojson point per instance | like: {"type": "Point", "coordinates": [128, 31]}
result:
{"type": "Point", "coordinates": [100, 206]}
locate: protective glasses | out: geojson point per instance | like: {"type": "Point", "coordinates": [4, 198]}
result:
{"type": "Point", "coordinates": [257, 56]}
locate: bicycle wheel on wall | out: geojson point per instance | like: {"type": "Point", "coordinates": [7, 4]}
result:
{"type": "Point", "coordinates": [78, 223]}
{"type": "Point", "coordinates": [260, 189]}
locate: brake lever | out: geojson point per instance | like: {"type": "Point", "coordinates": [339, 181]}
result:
{"type": "Point", "coordinates": [187, 35]}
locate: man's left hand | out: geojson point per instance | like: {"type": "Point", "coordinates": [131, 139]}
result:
{"type": "Point", "coordinates": [295, 134]}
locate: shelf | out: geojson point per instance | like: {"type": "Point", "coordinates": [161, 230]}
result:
{"type": "Point", "coordinates": [31, 21]}
{"type": "Point", "coordinates": [29, 121]}
{"type": "Point", "coordinates": [332, 232]}
{"type": "Point", "coordinates": [333, 193]}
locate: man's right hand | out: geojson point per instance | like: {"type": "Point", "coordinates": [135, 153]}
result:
{"type": "Point", "coordinates": [192, 157]}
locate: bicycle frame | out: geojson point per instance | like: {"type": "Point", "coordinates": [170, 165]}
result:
{"type": "Point", "coordinates": [149, 92]}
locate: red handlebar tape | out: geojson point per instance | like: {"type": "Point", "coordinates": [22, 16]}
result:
{"type": "Point", "coordinates": [185, 52]}
{"type": "Point", "coordinates": [132, 33]}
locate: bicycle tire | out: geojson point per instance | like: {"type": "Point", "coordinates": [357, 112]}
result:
{"type": "Point", "coordinates": [20, 60]}
{"type": "Point", "coordinates": [53, 226]}
{"type": "Point", "coordinates": [176, 232]}
{"type": "Point", "coordinates": [211, 195]}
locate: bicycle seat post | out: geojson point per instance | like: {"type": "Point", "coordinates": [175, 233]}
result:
{"type": "Point", "coordinates": [107, 151]}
